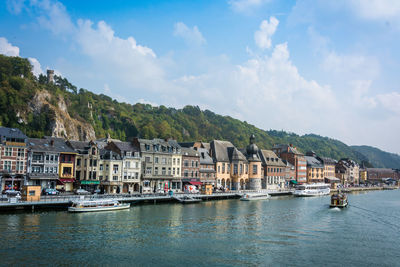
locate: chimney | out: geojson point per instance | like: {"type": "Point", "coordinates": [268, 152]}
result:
{"type": "Point", "coordinates": [50, 76]}
{"type": "Point", "coordinates": [52, 142]}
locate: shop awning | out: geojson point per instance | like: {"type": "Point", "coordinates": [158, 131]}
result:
{"type": "Point", "coordinates": [67, 180]}
{"type": "Point", "coordinates": [293, 181]}
{"type": "Point", "coordinates": [90, 182]}
{"type": "Point", "coordinates": [195, 183]}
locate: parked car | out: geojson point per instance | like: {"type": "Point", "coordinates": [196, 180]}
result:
{"type": "Point", "coordinates": [50, 191]}
{"type": "Point", "coordinates": [11, 193]}
{"type": "Point", "coordinates": [97, 191]}
{"type": "Point", "coordinates": [81, 192]}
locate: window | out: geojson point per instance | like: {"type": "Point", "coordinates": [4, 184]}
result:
{"type": "Point", "coordinates": [115, 178]}
{"type": "Point", "coordinates": [174, 161]}
{"type": "Point", "coordinates": [156, 170]}
{"type": "Point", "coordinates": [147, 159]}
{"type": "Point", "coordinates": [169, 171]}
{"type": "Point", "coordinates": [148, 170]}
{"type": "Point", "coordinates": [85, 162]}
{"type": "Point", "coordinates": [95, 162]}
{"type": "Point", "coordinates": [235, 168]}
{"type": "Point", "coordinates": [36, 169]}
{"type": "Point", "coordinates": [156, 160]}
{"type": "Point", "coordinates": [247, 168]}
{"type": "Point", "coordinates": [192, 163]}
{"type": "Point", "coordinates": [56, 158]}
{"type": "Point", "coordinates": [186, 173]}
{"type": "Point", "coordinates": [147, 147]}
{"type": "Point", "coordinates": [106, 167]}
{"type": "Point", "coordinates": [101, 167]}
{"type": "Point", "coordinates": [55, 170]}
{"type": "Point", "coordinates": [47, 157]}
{"type": "Point", "coordinates": [51, 157]}
{"type": "Point", "coordinates": [178, 161]}
{"type": "Point", "coordinates": [229, 167]}
{"type": "Point", "coordinates": [115, 169]}
{"type": "Point", "coordinates": [177, 171]}
{"type": "Point", "coordinates": [128, 164]}
{"type": "Point", "coordinates": [223, 167]}
{"type": "Point", "coordinates": [186, 163]}
{"type": "Point", "coordinates": [192, 174]}
{"type": "Point", "coordinates": [78, 162]}
{"type": "Point", "coordinates": [255, 169]}
{"type": "Point", "coordinates": [163, 172]}
{"type": "Point", "coordinates": [36, 157]}
{"type": "Point", "coordinates": [219, 169]}
{"type": "Point", "coordinates": [241, 169]}
{"type": "Point", "coordinates": [21, 152]}
{"type": "Point", "coordinates": [164, 161]}
{"type": "Point", "coordinates": [8, 152]}
{"type": "Point", "coordinates": [173, 171]}
{"type": "Point", "coordinates": [197, 164]}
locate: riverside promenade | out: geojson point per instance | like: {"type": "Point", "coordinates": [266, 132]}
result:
{"type": "Point", "coordinates": [64, 201]}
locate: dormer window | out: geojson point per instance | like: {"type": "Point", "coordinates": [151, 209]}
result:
{"type": "Point", "coordinates": [93, 151]}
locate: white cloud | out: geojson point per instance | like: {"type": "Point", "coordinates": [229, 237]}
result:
{"type": "Point", "coordinates": [8, 49]}
{"type": "Point", "coordinates": [354, 65]}
{"type": "Point", "coordinates": [376, 9]}
{"type": "Point", "coordinates": [191, 36]}
{"type": "Point", "coordinates": [262, 37]}
{"type": "Point", "coordinates": [246, 6]}
{"type": "Point", "coordinates": [53, 16]}
{"type": "Point", "coordinates": [390, 102]}
{"type": "Point", "coordinates": [15, 6]}
{"type": "Point", "coordinates": [36, 66]}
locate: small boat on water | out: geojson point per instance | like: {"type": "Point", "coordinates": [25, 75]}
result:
{"type": "Point", "coordinates": [312, 190]}
{"type": "Point", "coordinates": [339, 200]}
{"type": "Point", "coordinates": [187, 199]}
{"type": "Point", "coordinates": [255, 196]}
{"type": "Point", "coordinates": [97, 205]}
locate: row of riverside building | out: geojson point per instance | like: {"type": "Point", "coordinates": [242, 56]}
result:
{"type": "Point", "coordinates": [147, 166]}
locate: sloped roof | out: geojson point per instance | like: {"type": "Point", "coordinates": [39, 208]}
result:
{"type": "Point", "coordinates": [61, 143]}
{"type": "Point", "coordinates": [12, 133]}
{"type": "Point", "coordinates": [190, 152]}
{"type": "Point", "coordinates": [326, 160]}
{"type": "Point", "coordinates": [126, 146]}
{"type": "Point", "coordinates": [235, 154]}
{"type": "Point", "coordinates": [268, 157]}
{"type": "Point", "coordinates": [313, 162]}
{"type": "Point", "coordinates": [220, 150]}
{"type": "Point", "coordinates": [79, 145]}
{"type": "Point", "coordinates": [205, 158]}
{"type": "Point", "coordinates": [109, 155]}
{"type": "Point", "coordinates": [45, 145]}
{"type": "Point", "coordinates": [288, 149]}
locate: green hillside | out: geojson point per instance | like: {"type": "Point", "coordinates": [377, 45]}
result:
{"type": "Point", "coordinates": [379, 158]}
{"type": "Point", "coordinates": [124, 121]}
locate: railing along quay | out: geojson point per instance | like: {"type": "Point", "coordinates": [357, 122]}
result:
{"type": "Point", "coordinates": [66, 200]}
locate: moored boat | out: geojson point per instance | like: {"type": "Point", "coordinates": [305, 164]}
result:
{"type": "Point", "coordinates": [312, 190]}
{"type": "Point", "coordinates": [339, 200]}
{"type": "Point", "coordinates": [97, 205]}
{"type": "Point", "coordinates": [255, 196]}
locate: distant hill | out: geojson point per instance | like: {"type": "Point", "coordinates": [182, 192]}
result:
{"type": "Point", "coordinates": [379, 158]}
{"type": "Point", "coordinates": [40, 108]}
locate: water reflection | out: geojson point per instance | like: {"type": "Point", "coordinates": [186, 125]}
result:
{"type": "Point", "coordinates": [229, 232]}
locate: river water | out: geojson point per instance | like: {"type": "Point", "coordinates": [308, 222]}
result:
{"type": "Point", "coordinates": [280, 231]}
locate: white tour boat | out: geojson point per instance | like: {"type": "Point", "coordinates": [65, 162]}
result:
{"type": "Point", "coordinates": [97, 205]}
{"type": "Point", "coordinates": [311, 190]}
{"type": "Point", "coordinates": [255, 196]}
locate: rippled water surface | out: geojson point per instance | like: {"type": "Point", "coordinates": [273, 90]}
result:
{"type": "Point", "coordinates": [280, 231]}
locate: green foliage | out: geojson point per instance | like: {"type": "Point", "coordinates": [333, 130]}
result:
{"type": "Point", "coordinates": [125, 121]}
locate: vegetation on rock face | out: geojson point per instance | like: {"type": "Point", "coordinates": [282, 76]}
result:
{"type": "Point", "coordinates": [124, 121]}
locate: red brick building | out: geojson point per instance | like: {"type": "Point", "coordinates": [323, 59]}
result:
{"type": "Point", "coordinates": [190, 167]}
{"type": "Point", "coordinates": [13, 158]}
{"type": "Point", "coordinates": [294, 157]}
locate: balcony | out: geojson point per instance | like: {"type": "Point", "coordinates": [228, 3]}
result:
{"type": "Point", "coordinates": [38, 175]}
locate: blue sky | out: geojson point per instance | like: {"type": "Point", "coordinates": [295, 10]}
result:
{"type": "Point", "coordinates": [324, 67]}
